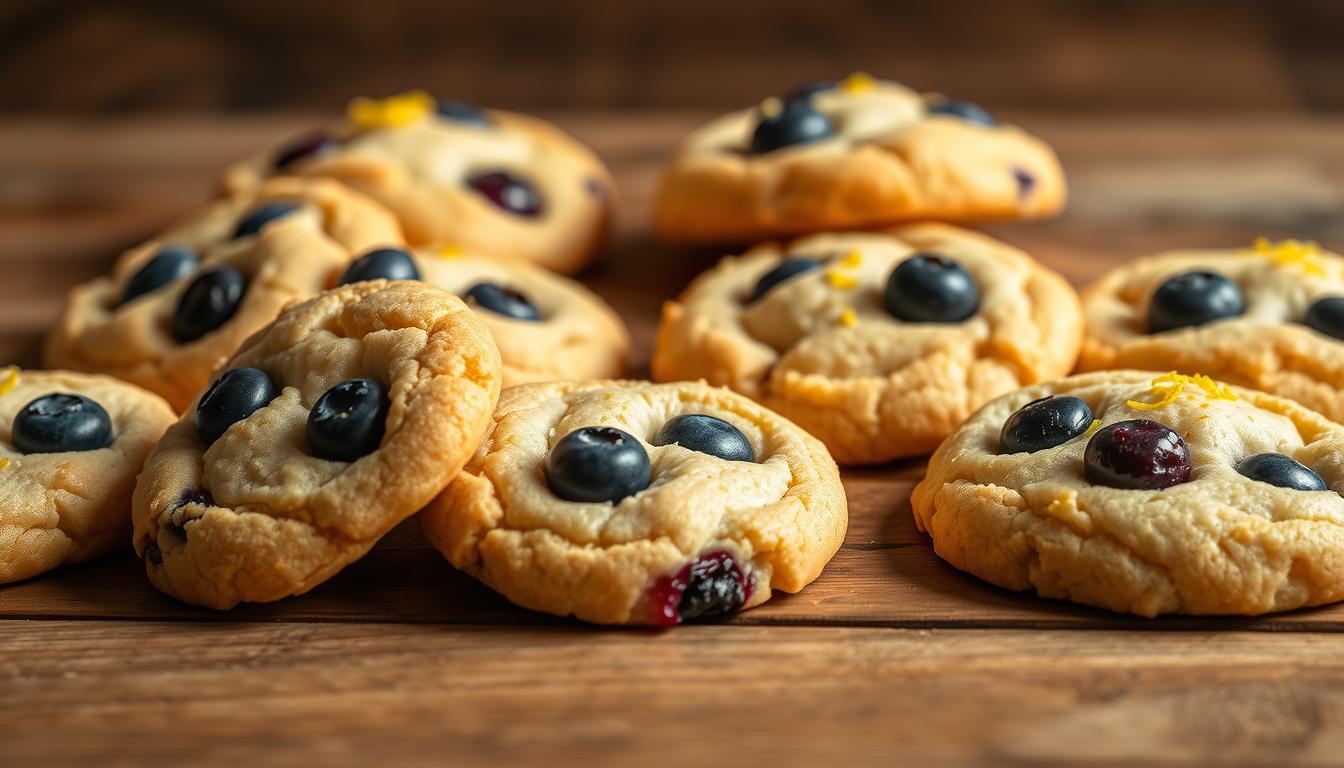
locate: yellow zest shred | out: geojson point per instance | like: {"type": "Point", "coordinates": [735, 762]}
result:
{"type": "Point", "coordinates": [1287, 253]}
{"type": "Point", "coordinates": [1169, 387]}
{"type": "Point", "coordinates": [771, 107]}
{"type": "Point", "coordinates": [859, 82]}
{"type": "Point", "coordinates": [848, 317]}
{"type": "Point", "coordinates": [852, 259]}
{"type": "Point", "coordinates": [1096, 424]}
{"type": "Point", "coordinates": [842, 281]}
{"type": "Point", "coordinates": [4, 463]}
{"type": "Point", "coordinates": [449, 252]}
{"type": "Point", "coordinates": [393, 112]}
{"type": "Point", "coordinates": [9, 379]}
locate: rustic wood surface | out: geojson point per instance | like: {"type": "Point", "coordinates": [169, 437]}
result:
{"type": "Point", "coordinates": [891, 655]}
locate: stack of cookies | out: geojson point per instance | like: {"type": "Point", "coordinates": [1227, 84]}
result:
{"type": "Point", "coordinates": [373, 322]}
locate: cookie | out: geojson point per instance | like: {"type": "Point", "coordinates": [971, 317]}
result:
{"type": "Point", "coordinates": [483, 180]}
{"type": "Point", "coordinates": [326, 429]}
{"type": "Point", "coordinates": [1144, 493]}
{"type": "Point", "coordinates": [858, 153]}
{"type": "Point", "coordinates": [175, 306]}
{"type": "Point", "coordinates": [638, 503]}
{"type": "Point", "coordinates": [878, 343]}
{"type": "Point", "coordinates": [71, 445]}
{"type": "Point", "coordinates": [547, 327]}
{"type": "Point", "coordinates": [1270, 317]}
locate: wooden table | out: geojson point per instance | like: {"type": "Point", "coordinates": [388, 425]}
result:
{"type": "Point", "coordinates": [891, 655]}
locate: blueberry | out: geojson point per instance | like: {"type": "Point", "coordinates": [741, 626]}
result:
{"type": "Point", "coordinates": [783, 271]}
{"type": "Point", "coordinates": [1045, 423]}
{"type": "Point", "coordinates": [312, 145]}
{"type": "Point", "coordinates": [509, 302]}
{"type": "Point", "coordinates": [1277, 469]}
{"type": "Point", "coordinates": [233, 397]}
{"type": "Point", "coordinates": [928, 288]}
{"type": "Point", "coordinates": [257, 218]}
{"type": "Point", "coordinates": [170, 263]}
{"type": "Point", "coordinates": [512, 193]}
{"type": "Point", "coordinates": [1137, 454]}
{"type": "Point", "coordinates": [706, 434]}
{"type": "Point", "coordinates": [348, 420]}
{"type": "Point", "coordinates": [381, 264]}
{"type": "Point", "coordinates": [806, 91]}
{"type": "Point", "coordinates": [1193, 298]}
{"type": "Point", "coordinates": [1327, 316]}
{"type": "Point", "coordinates": [796, 123]}
{"type": "Point", "coordinates": [598, 464]}
{"type": "Point", "coordinates": [61, 422]}
{"type": "Point", "coordinates": [715, 585]}
{"type": "Point", "coordinates": [461, 112]}
{"type": "Point", "coordinates": [968, 111]}
{"type": "Point", "coordinates": [208, 303]}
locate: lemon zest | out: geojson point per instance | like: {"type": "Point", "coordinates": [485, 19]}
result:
{"type": "Point", "coordinates": [852, 259]}
{"type": "Point", "coordinates": [9, 379]}
{"type": "Point", "coordinates": [449, 252]}
{"type": "Point", "coordinates": [859, 82]}
{"type": "Point", "coordinates": [1286, 253]}
{"type": "Point", "coordinates": [4, 463]}
{"type": "Point", "coordinates": [1169, 388]}
{"type": "Point", "coordinates": [848, 317]}
{"type": "Point", "coordinates": [392, 112]}
{"type": "Point", "coordinates": [842, 281]}
{"type": "Point", "coordinates": [1093, 427]}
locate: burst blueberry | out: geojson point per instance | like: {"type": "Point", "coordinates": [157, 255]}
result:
{"type": "Point", "coordinates": [211, 299]}
{"type": "Point", "coordinates": [1327, 316]}
{"type": "Point", "coordinates": [785, 270]}
{"type": "Point", "coordinates": [1192, 299]}
{"type": "Point", "coordinates": [1282, 471]}
{"type": "Point", "coordinates": [257, 218]}
{"type": "Point", "coordinates": [171, 263]}
{"type": "Point", "coordinates": [381, 264]}
{"type": "Point", "coordinates": [1045, 423]}
{"type": "Point", "coordinates": [234, 396]}
{"type": "Point", "coordinates": [1137, 454]}
{"type": "Point", "coordinates": [503, 300]}
{"type": "Point", "coordinates": [61, 422]}
{"type": "Point", "coordinates": [796, 123]}
{"type": "Point", "coordinates": [928, 288]}
{"type": "Point", "coordinates": [508, 191]}
{"type": "Point", "coordinates": [712, 585]}
{"type": "Point", "coordinates": [348, 421]}
{"type": "Point", "coordinates": [596, 464]}
{"type": "Point", "coordinates": [706, 434]}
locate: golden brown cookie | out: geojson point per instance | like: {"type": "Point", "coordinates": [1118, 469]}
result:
{"type": "Point", "coordinates": [1183, 496]}
{"type": "Point", "coordinates": [175, 306]}
{"type": "Point", "coordinates": [855, 154]}
{"type": "Point", "coordinates": [1269, 317]}
{"type": "Point", "coordinates": [637, 503]}
{"type": "Point", "coordinates": [486, 181]}
{"type": "Point", "coordinates": [71, 445]}
{"type": "Point", "coordinates": [811, 329]}
{"type": "Point", "coordinates": [326, 429]}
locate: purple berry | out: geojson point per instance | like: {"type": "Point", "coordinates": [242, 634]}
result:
{"type": "Point", "coordinates": [1137, 454]}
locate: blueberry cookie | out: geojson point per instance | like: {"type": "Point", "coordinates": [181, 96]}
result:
{"type": "Point", "coordinates": [878, 343]}
{"type": "Point", "coordinates": [547, 327]}
{"type": "Point", "coordinates": [1145, 493]}
{"type": "Point", "coordinates": [71, 445]}
{"type": "Point", "coordinates": [638, 503]}
{"type": "Point", "coordinates": [175, 306]}
{"type": "Point", "coordinates": [325, 430]}
{"type": "Point", "coordinates": [1269, 317]}
{"type": "Point", "coordinates": [482, 180]}
{"type": "Point", "coordinates": [857, 153]}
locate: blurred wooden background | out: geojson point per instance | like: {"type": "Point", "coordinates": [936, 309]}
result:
{"type": "Point", "coordinates": [81, 56]}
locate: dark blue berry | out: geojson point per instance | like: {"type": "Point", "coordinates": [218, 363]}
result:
{"type": "Point", "coordinates": [968, 111]}
{"type": "Point", "coordinates": [1327, 316]}
{"type": "Point", "coordinates": [1277, 469]}
{"type": "Point", "coordinates": [462, 112]}
{"type": "Point", "coordinates": [796, 123]}
{"type": "Point", "coordinates": [1193, 298]}
{"type": "Point", "coordinates": [257, 218]}
{"type": "Point", "coordinates": [234, 396]}
{"type": "Point", "coordinates": [171, 263]}
{"type": "Point", "coordinates": [598, 464]}
{"type": "Point", "coordinates": [512, 193]}
{"type": "Point", "coordinates": [706, 434]}
{"type": "Point", "coordinates": [381, 264]}
{"type": "Point", "coordinates": [1045, 423]}
{"type": "Point", "coordinates": [1137, 454]}
{"type": "Point", "coordinates": [928, 288]}
{"type": "Point", "coordinates": [806, 91]}
{"type": "Point", "coordinates": [208, 303]}
{"type": "Point", "coordinates": [61, 422]}
{"type": "Point", "coordinates": [311, 145]}
{"type": "Point", "coordinates": [785, 270]}
{"type": "Point", "coordinates": [509, 302]}
{"type": "Point", "coordinates": [715, 585]}
{"type": "Point", "coordinates": [348, 420]}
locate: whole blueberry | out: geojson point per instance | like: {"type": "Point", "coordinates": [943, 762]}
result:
{"type": "Point", "coordinates": [1327, 316]}
{"type": "Point", "coordinates": [234, 396]}
{"type": "Point", "coordinates": [1193, 298]}
{"type": "Point", "coordinates": [348, 420]}
{"type": "Point", "coordinates": [706, 434]}
{"type": "Point", "coordinates": [257, 218]}
{"type": "Point", "coordinates": [715, 585]}
{"type": "Point", "coordinates": [1277, 469]}
{"type": "Point", "coordinates": [381, 264]}
{"type": "Point", "coordinates": [462, 112]}
{"type": "Point", "coordinates": [509, 302]}
{"type": "Point", "coordinates": [796, 123]}
{"type": "Point", "coordinates": [786, 269]}
{"type": "Point", "coordinates": [508, 191]}
{"type": "Point", "coordinates": [1045, 423]}
{"type": "Point", "coordinates": [61, 422]}
{"type": "Point", "coordinates": [312, 145]}
{"type": "Point", "coordinates": [968, 111]}
{"type": "Point", "coordinates": [1137, 454]}
{"type": "Point", "coordinates": [208, 303]}
{"type": "Point", "coordinates": [598, 464]}
{"type": "Point", "coordinates": [172, 262]}
{"type": "Point", "coordinates": [928, 288]}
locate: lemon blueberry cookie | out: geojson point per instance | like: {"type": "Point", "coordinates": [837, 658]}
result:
{"type": "Point", "coordinates": [878, 343]}
{"type": "Point", "coordinates": [1145, 493]}
{"type": "Point", "coordinates": [478, 179]}
{"type": "Point", "coordinates": [326, 429]}
{"type": "Point", "coordinates": [1269, 317]}
{"type": "Point", "coordinates": [175, 306]}
{"type": "Point", "coordinates": [71, 445]}
{"type": "Point", "coordinates": [857, 153]}
{"type": "Point", "coordinates": [638, 503]}
{"type": "Point", "coordinates": [547, 326]}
